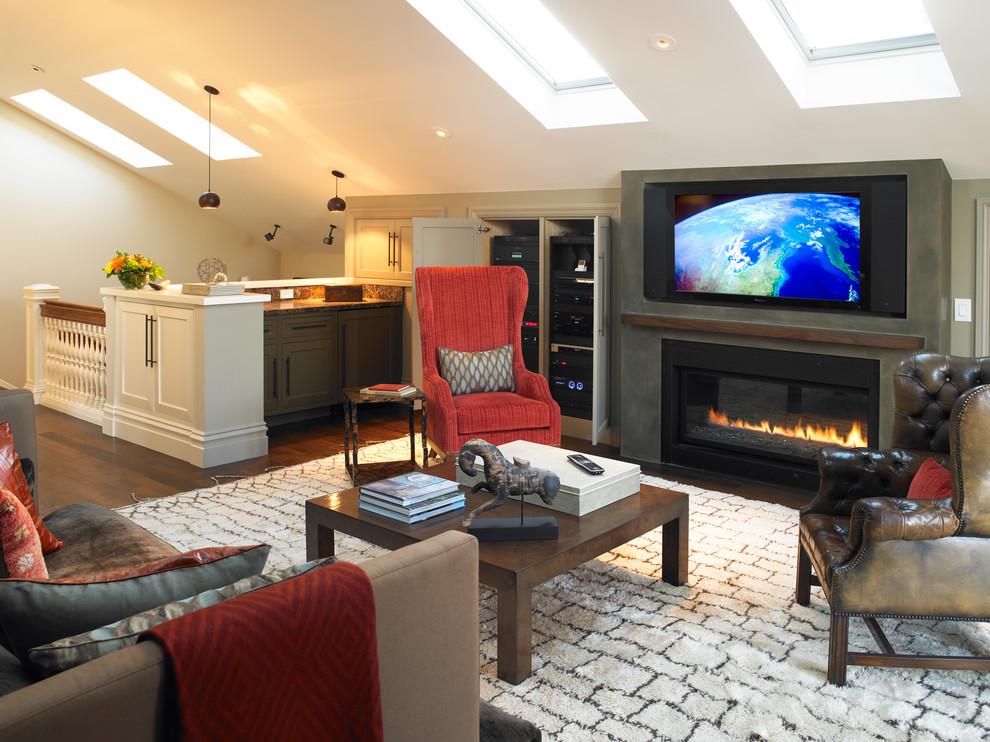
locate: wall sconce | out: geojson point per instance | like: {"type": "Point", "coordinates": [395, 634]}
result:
{"type": "Point", "coordinates": [336, 203]}
{"type": "Point", "coordinates": [271, 235]}
{"type": "Point", "coordinates": [328, 240]}
{"type": "Point", "coordinates": [209, 200]}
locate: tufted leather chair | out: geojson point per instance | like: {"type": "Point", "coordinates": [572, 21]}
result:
{"type": "Point", "coordinates": [878, 554]}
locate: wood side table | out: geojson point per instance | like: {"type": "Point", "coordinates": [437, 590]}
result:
{"type": "Point", "coordinates": [352, 398]}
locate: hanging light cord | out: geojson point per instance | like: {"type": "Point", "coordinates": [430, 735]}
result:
{"type": "Point", "coordinates": [209, 146]}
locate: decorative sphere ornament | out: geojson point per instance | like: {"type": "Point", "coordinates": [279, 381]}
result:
{"type": "Point", "coordinates": [212, 270]}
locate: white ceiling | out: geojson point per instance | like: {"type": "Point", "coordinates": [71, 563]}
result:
{"type": "Point", "coordinates": [358, 86]}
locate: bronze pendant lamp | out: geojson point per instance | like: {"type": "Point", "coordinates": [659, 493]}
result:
{"type": "Point", "coordinates": [209, 199]}
{"type": "Point", "coordinates": [336, 203]}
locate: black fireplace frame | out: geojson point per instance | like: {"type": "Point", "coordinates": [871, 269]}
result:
{"type": "Point", "coordinates": [681, 355]}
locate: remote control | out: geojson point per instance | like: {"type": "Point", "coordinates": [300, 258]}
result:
{"type": "Point", "coordinates": [585, 463]}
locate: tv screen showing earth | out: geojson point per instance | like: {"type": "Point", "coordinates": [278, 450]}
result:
{"type": "Point", "coordinates": [793, 245]}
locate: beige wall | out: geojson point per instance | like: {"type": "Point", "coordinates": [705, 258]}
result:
{"type": "Point", "coordinates": [67, 209]}
{"type": "Point", "coordinates": [965, 194]}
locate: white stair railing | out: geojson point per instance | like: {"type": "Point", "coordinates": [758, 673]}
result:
{"type": "Point", "coordinates": [73, 369]}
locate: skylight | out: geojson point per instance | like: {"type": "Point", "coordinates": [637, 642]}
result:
{"type": "Point", "coordinates": [838, 28]}
{"type": "Point", "coordinates": [879, 52]}
{"type": "Point", "coordinates": [148, 101]}
{"type": "Point", "coordinates": [86, 127]}
{"type": "Point", "coordinates": [523, 48]}
{"type": "Point", "coordinates": [542, 42]}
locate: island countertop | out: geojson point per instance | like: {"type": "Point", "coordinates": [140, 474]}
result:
{"type": "Point", "coordinates": [298, 306]}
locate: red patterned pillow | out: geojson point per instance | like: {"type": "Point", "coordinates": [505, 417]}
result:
{"type": "Point", "coordinates": [932, 482]}
{"type": "Point", "coordinates": [19, 539]}
{"type": "Point", "coordinates": [13, 479]}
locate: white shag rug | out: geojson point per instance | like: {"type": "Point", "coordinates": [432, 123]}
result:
{"type": "Point", "coordinates": [620, 655]}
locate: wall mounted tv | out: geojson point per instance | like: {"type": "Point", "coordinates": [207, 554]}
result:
{"type": "Point", "coordinates": [801, 243]}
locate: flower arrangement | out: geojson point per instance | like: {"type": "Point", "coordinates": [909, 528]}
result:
{"type": "Point", "coordinates": [134, 271]}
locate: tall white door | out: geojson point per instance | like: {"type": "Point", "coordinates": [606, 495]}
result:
{"type": "Point", "coordinates": [440, 242]}
{"type": "Point", "coordinates": [599, 379]}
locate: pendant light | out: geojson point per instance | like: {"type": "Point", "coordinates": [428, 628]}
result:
{"type": "Point", "coordinates": [336, 203]}
{"type": "Point", "coordinates": [209, 200]}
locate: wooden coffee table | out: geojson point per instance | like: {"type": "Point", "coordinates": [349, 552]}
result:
{"type": "Point", "coordinates": [514, 568]}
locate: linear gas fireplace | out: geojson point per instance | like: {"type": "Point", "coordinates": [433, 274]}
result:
{"type": "Point", "coordinates": [763, 414]}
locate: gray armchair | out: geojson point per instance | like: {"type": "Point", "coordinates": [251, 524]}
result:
{"type": "Point", "coordinates": [877, 554]}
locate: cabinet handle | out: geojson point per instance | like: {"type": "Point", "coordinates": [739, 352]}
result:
{"type": "Point", "coordinates": [391, 248]}
{"type": "Point", "coordinates": [274, 378]}
{"type": "Point", "coordinates": [600, 298]}
{"type": "Point", "coordinates": [319, 326]}
{"type": "Point", "coordinates": [149, 340]}
{"type": "Point", "coordinates": [287, 377]}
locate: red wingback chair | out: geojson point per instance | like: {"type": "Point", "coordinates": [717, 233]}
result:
{"type": "Point", "coordinates": [473, 309]}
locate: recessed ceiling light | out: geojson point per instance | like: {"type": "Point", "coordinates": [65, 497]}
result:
{"type": "Point", "coordinates": [441, 133]}
{"type": "Point", "coordinates": [662, 42]}
{"type": "Point", "coordinates": [148, 101]}
{"type": "Point", "coordinates": [86, 127]}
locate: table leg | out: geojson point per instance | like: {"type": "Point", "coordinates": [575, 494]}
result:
{"type": "Point", "coordinates": [674, 567]}
{"type": "Point", "coordinates": [515, 633]}
{"type": "Point", "coordinates": [412, 434]}
{"type": "Point", "coordinates": [347, 438]}
{"type": "Point", "coordinates": [423, 426]}
{"type": "Point", "coordinates": [319, 541]}
{"type": "Point", "coordinates": [354, 432]}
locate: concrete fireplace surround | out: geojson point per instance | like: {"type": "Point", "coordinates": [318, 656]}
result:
{"type": "Point", "coordinates": [644, 324]}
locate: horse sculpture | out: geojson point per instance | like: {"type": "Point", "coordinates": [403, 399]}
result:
{"type": "Point", "coordinates": [503, 479]}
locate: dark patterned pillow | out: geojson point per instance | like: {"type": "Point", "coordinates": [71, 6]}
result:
{"type": "Point", "coordinates": [468, 372]}
{"type": "Point", "coordinates": [34, 612]}
{"type": "Point", "coordinates": [62, 654]}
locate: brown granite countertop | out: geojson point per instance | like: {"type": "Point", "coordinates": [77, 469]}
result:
{"type": "Point", "coordinates": [298, 306]}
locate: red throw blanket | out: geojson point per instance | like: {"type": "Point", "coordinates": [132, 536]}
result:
{"type": "Point", "coordinates": [297, 660]}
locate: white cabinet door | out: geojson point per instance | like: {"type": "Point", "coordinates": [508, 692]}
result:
{"type": "Point", "coordinates": [373, 248]}
{"type": "Point", "coordinates": [136, 380]}
{"type": "Point", "coordinates": [174, 362]}
{"type": "Point", "coordinates": [403, 249]}
{"type": "Point", "coordinates": [441, 242]}
{"type": "Point", "coordinates": [599, 379]}
{"type": "Point", "coordinates": [383, 248]}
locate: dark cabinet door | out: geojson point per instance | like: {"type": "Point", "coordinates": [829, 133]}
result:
{"type": "Point", "coordinates": [270, 354]}
{"type": "Point", "coordinates": [308, 376]}
{"type": "Point", "coordinates": [370, 346]}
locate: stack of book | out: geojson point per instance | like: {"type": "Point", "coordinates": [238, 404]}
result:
{"type": "Point", "coordinates": [411, 497]}
{"type": "Point", "coordinates": [389, 390]}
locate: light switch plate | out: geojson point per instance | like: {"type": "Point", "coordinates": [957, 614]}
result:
{"type": "Point", "coordinates": [285, 293]}
{"type": "Point", "coordinates": [963, 311]}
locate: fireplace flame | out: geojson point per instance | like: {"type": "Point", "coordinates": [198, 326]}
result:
{"type": "Point", "coordinates": [829, 434]}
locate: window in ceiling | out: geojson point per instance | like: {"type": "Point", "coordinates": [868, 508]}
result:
{"type": "Point", "coordinates": [843, 28]}
{"type": "Point", "coordinates": [849, 52]}
{"type": "Point", "coordinates": [530, 54]}
{"type": "Point", "coordinates": [88, 128]}
{"type": "Point", "coordinates": [148, 101]}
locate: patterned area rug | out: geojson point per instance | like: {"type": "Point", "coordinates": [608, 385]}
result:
{"type": "Point", "coordinates": [620, 655]}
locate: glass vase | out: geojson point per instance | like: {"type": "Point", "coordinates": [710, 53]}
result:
{"type": "Point", "coordinates": [133, 280]}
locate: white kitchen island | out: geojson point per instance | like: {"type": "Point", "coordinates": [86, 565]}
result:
{"type": "Point", "coordinates": [185, 374]}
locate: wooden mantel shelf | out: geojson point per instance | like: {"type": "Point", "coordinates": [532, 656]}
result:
{"type": "Point", "coordinates": [808, 334]}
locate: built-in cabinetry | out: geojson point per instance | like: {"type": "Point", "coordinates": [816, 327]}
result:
{"type": "Point", "coordinates": [310, 356]}
{"type": "Point", "coordinates": [383, 248]}
{"type": "Point", "coordinates": [573, 323]}
{"type": "Point", "coordinates": [157, 359]}
{"type": "Point", "coordinates": [300, 357]}
{"type": "Point", "coordinates": [184, 374]}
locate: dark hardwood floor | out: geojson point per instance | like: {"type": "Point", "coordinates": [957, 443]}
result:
{"type": "Point", "coordinates": [77, 463]}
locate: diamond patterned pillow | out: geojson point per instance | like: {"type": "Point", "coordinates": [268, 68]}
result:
{"type": "Point", "coordinates": [469, 372]}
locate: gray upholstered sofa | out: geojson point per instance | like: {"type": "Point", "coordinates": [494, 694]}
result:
{"type": "Point", "coordinates": [426, 603]}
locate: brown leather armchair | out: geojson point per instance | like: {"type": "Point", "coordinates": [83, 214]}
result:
{"type": "Point", "coordinates": [877, 554]}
